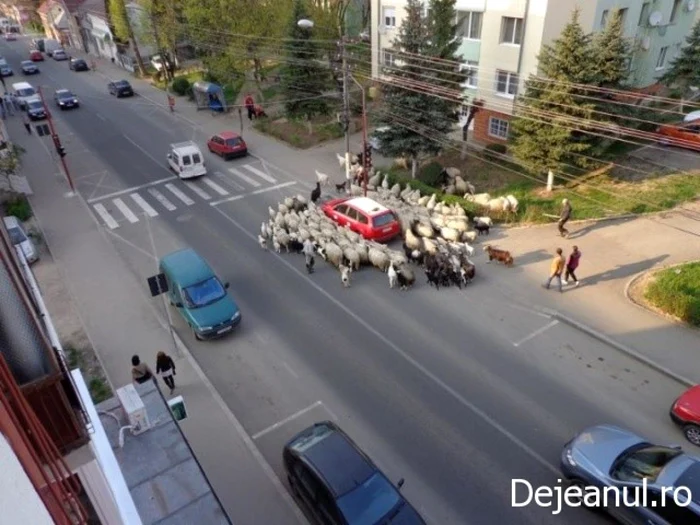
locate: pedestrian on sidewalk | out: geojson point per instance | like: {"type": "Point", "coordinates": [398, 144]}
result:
{"type": "Point", "coordinates": [171, 103]}
{"type": "Point", "coordinates": [27, 123]}
{"type": "Point", "coordinates": [571, 265]}
{"type": "Point", "coordinates": [309, 250]}
{"type": "Point", "coordinates": [250, 106]}
{"type": "Point", "coordinates": [140, 372]}
{"type": "Point", "coordinates": [7, 99]}
{"type": "Point", "coordinates": [555, 270]}
{"type": "Point", "coordinates": [15, 103]}
{"type": "Point", "coordinates": [165, 366]}
{"type": "Point", "coordinates": [564, 217]}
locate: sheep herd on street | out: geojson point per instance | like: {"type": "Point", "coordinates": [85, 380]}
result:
{"type": "Point", "coordinates": [437, 237]}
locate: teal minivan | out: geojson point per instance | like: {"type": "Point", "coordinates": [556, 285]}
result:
{"type": "Point", "coordinates": [198, 294]}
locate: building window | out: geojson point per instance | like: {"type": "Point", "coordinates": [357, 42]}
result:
{"type": "Point", "coordinates": [388, 58]}
{"type": "Point", "coordinates": [506, 83]}
{"type": "Point", "coordinates": [471, 69]}
{"type": "Point", "coordinates": [661, 62]}
{"type": "Point", "coordinates": [511, 30]}
{"type": "Point", "coordinates": [644, 14]}
{"type": "Point", "coordinates": [389, 17]}
{"type": "Point", "coordinates": [469, 24]}
{"type": "Point", "coordinates": [623, 16]}
{"type": "Point", "coordinates": [498, 128]}
{"type": "Point", "coordinates": [674, 11]}
{"type": "Point", "coordinates": [604, 18]}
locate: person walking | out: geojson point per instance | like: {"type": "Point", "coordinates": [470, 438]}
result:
{"type": "Point", "coordinates": [165, 366]}
{"type": "Point", "coordinates": [171, 103]}
{"type": "Point", "coordinates": [571, 265]}
{"type": "Point", "coordinates": [27, 123]}
{"type": "Point", "coordinates": [249, 103]}
{"type": "Point", "coordinates": [309, 250]}
{"type": "Point", "coordinates": [15, 103]}
{"type": "Point", "coordinates": [8, 104]}
{"type": "Point", "coordinates": [564, 217]}
{"type": "Point", "coordinates": [140, 372]}
{"type": "Point", "coordinates": [555, 270]}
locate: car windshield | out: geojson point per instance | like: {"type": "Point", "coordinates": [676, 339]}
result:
{"type": "Point", "coordinates": [27, 63]}
{"type": "Point", "coordinates": [383, 219]}
{"type": "Point", "coordinates": [122, 84]}
{"type": "Point", "coordinates": [35, 105]}
{"type": "Point", "coordinates": [204, 293]}
{"type": "Point", "coordinates": [64, 94]}
{"type": "Point", "coordinates": [26, 92]}
{"type": "Point", "coordinates": [643, 461]}
{"type": "Point", "coordinates": [196, 158]}
{"type": "Point", "coordinates": [369, 502]}
{"type": "Point", "coordinates": [16, 235]}
{"type": "Point", "coordinates": [233, 142]}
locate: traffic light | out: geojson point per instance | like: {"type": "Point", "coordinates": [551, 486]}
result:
{"type": "Point", "coordinates": [59, 149]}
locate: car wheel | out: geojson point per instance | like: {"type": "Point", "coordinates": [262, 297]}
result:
{"type": "Point", "coordinates": [196, 335]}
{"type": "Point", "coordinates": [692, 434]}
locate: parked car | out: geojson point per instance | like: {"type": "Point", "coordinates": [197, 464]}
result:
{"type": "Point", "coordinates": [120, 88]}
{"type": "Point", "coordinates": [65, 99]}
{"type": "Point", "coordinates": [19, 238]}
{"type": "Point", "coordinates": [78, 64]}
{"type": "Point", "coordinates": [24, 91]}
{"type": "Point", "coordinates": [10, 37]}
{"type": "Point", "coordinates": [36, 56]}
{"type": "Point", "coordinates": [38, 43]}
{"type": "Point", "coordinates": [685, 412]}
{"type": "Point", "coordinates": [609, 458]}
{"type": "Point", "coordinates": [228, 144]}
{"type": "Point", "coordinates": [28, 67]}
{"type": "Point", "coordinates": [5, 69]}
{"type": "Point", "coordinates": [683, 135]}
{"type": "Point", "coordinates": [337, 483]}
{"type": "Point", "coordinates": [365, 216]}
{"type": "Point", "coordinates": [36, 109]}
{"type": "Point", "coordinates": [59, 55]}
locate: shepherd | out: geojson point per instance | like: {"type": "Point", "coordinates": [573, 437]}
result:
{"type": "Point", "coordinates": [249, 103]}
{"type": "Point", "coordinates": [171, 103]}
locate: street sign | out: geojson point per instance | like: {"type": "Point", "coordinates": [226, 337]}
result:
{"type": "Point", "coordinates": [157, 284]}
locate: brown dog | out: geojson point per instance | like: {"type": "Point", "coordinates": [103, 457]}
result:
{"type": "Point", "coordinates": [503, 256]}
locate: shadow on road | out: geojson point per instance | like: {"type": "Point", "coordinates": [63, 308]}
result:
{"type": "Point", "coordinates": [625, 270]}
{"type": "Point", "coordinates": [533, 257]}
{"type": "Point", "coordinates": [596, 226]}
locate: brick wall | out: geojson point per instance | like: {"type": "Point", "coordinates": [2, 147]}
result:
{"type": "Point", "coordinates": [481, 126]}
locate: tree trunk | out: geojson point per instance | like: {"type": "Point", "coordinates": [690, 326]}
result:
{"type": "Point", "coordinates": [414, 167]}
{"type": "Point", "coordinates": [137, 53]}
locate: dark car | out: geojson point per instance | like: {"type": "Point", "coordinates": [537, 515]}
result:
{"type": "Point", "coordinates": [685, 412]}
{"type": "Point", "coordinates": [29, 68]}
{"type": "Point", "coordinates": [78, 64]}
{"type": "Point", "coordinates": [228, 144]}
{"type": "Point", "coordinates": [66, 99]}
{"type": "Point", "coordinates": [36, 109]}
{"type": "Point", "coordinates": [38, 43]}
{"type": "Point", "coordinates": [338, 484]}
{"type": "Point", "coordinates": [120, 88]}
{"type": "Point", "coordinates": [615, 460]}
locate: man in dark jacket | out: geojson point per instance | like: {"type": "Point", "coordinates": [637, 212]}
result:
{"type": "Point", "coordinates": [564, 217]}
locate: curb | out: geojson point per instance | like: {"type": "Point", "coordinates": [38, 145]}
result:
{"type": "Point", "coordinates": [580, 221]}
{"type": "Point", "coordinates": [618, 346]}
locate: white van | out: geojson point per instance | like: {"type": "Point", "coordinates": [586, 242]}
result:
{"type": "Point", "coordinates": [185, 159]}
{"type": "Point", "coordinates": [51, 45]}
{"type": "Point", "coordinates": [23, 91]}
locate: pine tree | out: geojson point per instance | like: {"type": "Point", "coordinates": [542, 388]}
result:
{"type": "Point", "coordinates": [417, 122]}
{"type": "Point", "coordinates": [612, 53]}
{"type": "Point", "coordinates": [303, 77]}
{"type": "Point", "coordinates": [545, 132]}
{"type": "Point", "coordinates": [684, 70]}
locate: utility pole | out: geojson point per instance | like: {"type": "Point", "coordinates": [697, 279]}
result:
{"type": "Point", "coordinates": [346, 104]}
{"type": "Point", "coordinates": [57, 142]}
{"type": "Point", "coordinates": [132, 39]}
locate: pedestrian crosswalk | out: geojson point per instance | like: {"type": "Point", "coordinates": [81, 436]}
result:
{"type": "Point", "coordinates": [168, 195]}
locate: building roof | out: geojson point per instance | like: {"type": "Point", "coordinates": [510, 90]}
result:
{"type": "Point", "coordinates": [94, 7]}
{"type": "Point", "coordinates": [163, 476]}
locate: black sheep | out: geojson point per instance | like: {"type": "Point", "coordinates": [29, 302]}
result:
{"type": "Point", "coordinates": [295, 246]}
{"type": "Point", "coordinates": [316, 192]}
{"type": "Point", "coordinates": [482, 228]}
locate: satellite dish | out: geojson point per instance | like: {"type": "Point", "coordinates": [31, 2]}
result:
{"type": "Point", "coordinates": [690, 5]}
{"type": "Point", "coordinates": [655, 18]}
{"type": "Point", "coordinates": [646, 43]}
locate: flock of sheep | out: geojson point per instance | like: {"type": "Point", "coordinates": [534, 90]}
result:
{"type": "Point", "coordinates": [436, 236]}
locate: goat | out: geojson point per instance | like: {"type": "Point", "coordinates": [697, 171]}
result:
{"type": "Point", "coordinates": [345, 272]}
{"type": "Point", "coordinates": [322, 178]}
{"type": "Point", "coordinates": [503, 256]}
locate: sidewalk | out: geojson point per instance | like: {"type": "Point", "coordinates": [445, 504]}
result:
{"type": "Point", "coordinates": [120, 321]}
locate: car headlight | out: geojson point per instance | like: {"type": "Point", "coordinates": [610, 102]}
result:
{"type": "Point", "coordinates": [236, 316]}
{"type": "Point", "coordinates": [205, 328]}
{"type": "Point", "coordinates": [570, 457]}
{"type": "Point", "coordinates": [61, 103]}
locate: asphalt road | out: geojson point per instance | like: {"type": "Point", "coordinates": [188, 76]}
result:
{"type": "Point", "coordinates": [458, 392]}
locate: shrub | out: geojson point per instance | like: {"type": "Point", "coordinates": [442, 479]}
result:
{"type": "Point", "coordinates": [677, 291]}
{"type": "Point", "coordinates": [495, 151]}
{"type": "Point", "coordinates": [430, 173]}
{"type": "Point", "coordinates": [19, 207]}
{"type": "Point", "coordinates": [181, 86]}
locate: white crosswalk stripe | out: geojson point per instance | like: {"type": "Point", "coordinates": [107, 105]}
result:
{"type": "Point", "coordinates": [244, 177]}
{"type": "Point", "coordinates": [260, 174]}
{"type": "Point", "coordinates": [214, 186]}
{"type": "Point", "coordinates": [162, 199]}
{"type": "Point", "coordinates": [128, 214]}
{"type": "Point", "coordinates": [105, 216]}
{"type": "Point", "coordinates": [147, 208]}
{"type": "Point", "coordinates": [199, 191]}
{"type": "Point", "coordinates": [175, 191]}
{"type": "Point", "coordinates": [227, 180]}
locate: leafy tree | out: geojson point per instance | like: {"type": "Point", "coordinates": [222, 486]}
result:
{"type": "Point", "coordinates": [612, 53]}
{"type": "Point", "coordinates": [546, 131]}
{"type": "Point", "coordinates": [160, 27]}
{"type": "Point", "coordinates": [684, 70]}
{"type": "Point", "coordinates": [304, 79]}
{"type": "Point", "coordinates": [414, 118]}
{"type": "Point", "coordinates": [123, 30]}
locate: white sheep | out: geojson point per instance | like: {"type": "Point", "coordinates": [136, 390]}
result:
{"type": "Point", "coordinates": [378, 259]}
{"type": "Point", "coordinates": [450, 234]}
{"type": "Point", "coordinates": [498, 204]}
{"type": "Point", "coordinates": [280, 238]}
{"type": "Point", "coordinates": [271, 212]}
{"type": "Point", "coordinates": [431, 202]}
{"type": "Point", "coordinates": [513, 203]}
{"type": "Point", "coordinates": [322, 178]}
{"type": "Point", "coordinates": [453, 173]}
{"type": "Point", "coordinates": [469, 236]}
{"type": "Point", "coordinates": [480, 198]}
{"type": "Point", "coordinates": [483, 220]}
{"type": "Point", "coordinates": [425, 230]}
{"type": "Point", "coordinates": [430, 246]}
{"type": "Point", "coordinates": [460, 185]}
{"type": "Point", "coordinates": [282, 208]}
{"type": "Point", "coordinates": [461, 225]}
{"type": "Point", "coordinates": [332, 253]}
{"type": "Point", "coordinates": [353, 258]}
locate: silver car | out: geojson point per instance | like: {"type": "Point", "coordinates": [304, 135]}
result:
{"type": "Point", "coordinates": [19, 238]}
{"type": "Point", "coordinates": [645, 483]}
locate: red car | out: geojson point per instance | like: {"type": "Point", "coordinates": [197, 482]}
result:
{"type": "Point", "coordinates": [36, 56]}
{"type": "Point", "coordinates": [685, 412]}
{"type": "Point", "coordinates": [683, 135]}
{"type": "Point", "coordinates": [365, 216]}
{"type": "Point", "coordinates": [228, 144]}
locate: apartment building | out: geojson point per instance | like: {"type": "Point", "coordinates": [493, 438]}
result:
{"type": "Point", "coordinates": [501, 40]}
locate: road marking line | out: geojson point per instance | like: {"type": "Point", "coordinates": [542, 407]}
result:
{"type": "Point", "coordinates": [214, 186]}
{"type": "Point", "coordinates": [100, 117]}
{"type": "Point", "coordinates": [260, 174]}
{"type": "Point", "coordinates": [130, 190]}
{"type": "Point", "coordinates": [537, 332]}
{"type": "Point", "coordinates": [130, 215]}
{"type": "Point", "coordinates": [289, 369]}
{"type": "Point", "coordinates": [144, 205]}
{"type": "Point", "coordinates": [228, 180]}
{"type": "Point", "coordinates": [106, 217]}
{"type": "Point", "coordinates": [244, 177]}
{"type": "Point", "coordinates": [162, 199]}
{"type": "Point", "coordinates": [286, 420]}
{"type": "Point", "coordinates": [199, 191]}
{"type": "Point", "coordinates": [184, 198]}
{"type": "Point", "coordinates": [158, 162]}
{"type": "Point", "coordinates": [256, 192]}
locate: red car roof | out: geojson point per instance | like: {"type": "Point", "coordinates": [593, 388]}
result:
{"type": "Point", "coordinates": [228, 135]}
